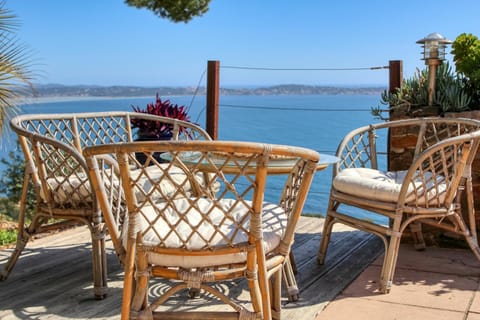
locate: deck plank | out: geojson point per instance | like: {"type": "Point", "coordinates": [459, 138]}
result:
{"type": "Point", "coordinates": [53, 277]}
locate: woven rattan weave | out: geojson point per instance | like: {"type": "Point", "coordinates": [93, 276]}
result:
{"type": "Point", "coordinates": [428, 191]}
{"type": "Point", "coordinates": [52, 145]}
{"type": "Point", "coordinates": [212, 226]}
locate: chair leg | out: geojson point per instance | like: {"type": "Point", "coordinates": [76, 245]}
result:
{"type": "Point", "coordinates": [99, 260]}
{"type": "Point", "coordinates": [389, 263]}
{"type": "Point", "coordinates": [292, 262]}
{"type": "Point", "coordinates": [141, 280]}
{"type": "Point", "coordinates": [128, 280]}
{"type": "Point", "coordinates": [266, 297]}
{"type": "Point", "coordinates": [289, 280]}
{"type": "Point", "coordinates": [22, 240]}
{"type": "Point", "coordinates": [327, 231]}
{"type": "Point", "coordinates": [418, 240]}
{"type": "Point", "coordinates": [471, 210]}
{"type": "Point", "coordinates": [473, 244]}
{"type": "Point", "coordinates": [23, 233]}
{"type": "Point", "coordinates": [276, 295]}
{"type": "Point", "coordinates": [254, 289]}
{"type": "Point", "coordinates": [471, 239]}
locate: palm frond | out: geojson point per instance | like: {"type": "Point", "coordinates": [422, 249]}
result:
{"type": "Point", "coordinates": [16, 76]}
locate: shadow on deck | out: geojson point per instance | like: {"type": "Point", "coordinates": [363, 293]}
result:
{"type": "Point", "coordinates": [53, 277]}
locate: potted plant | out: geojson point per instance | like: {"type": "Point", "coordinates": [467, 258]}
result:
{"type": "Point", "coordinates": [148, 130]}
{"type": "Point", "coordinates": [455, 91]}
{"type": "Point", "coordinates": [153, 130]}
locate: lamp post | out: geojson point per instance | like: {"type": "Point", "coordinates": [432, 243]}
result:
{"type": "Point", "coordinates": [433, 53]}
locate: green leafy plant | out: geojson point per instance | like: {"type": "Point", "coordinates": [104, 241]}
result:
{"type": "Point", "coordinates": [174, 10]}
{"type": "Point", "coordinates": [7, 237]}
{"type": "Point", "coordinates": [155, 129]}
{"type": "Point", "coordinates": [11, 184]}
{"type": "Point", "coordinates": [466, 55]}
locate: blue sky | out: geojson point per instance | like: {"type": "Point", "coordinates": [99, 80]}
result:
{"type": "Point", "coordinates": [106, 42]}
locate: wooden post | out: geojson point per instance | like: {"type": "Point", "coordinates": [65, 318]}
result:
{"type": "Point", "coordinates": [213, 94]}
{"type": "Point", "coordinates": [395, 82]}
{"type": "Point", "coordinates": [396, 75]}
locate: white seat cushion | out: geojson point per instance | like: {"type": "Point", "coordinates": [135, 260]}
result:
{"type": "Point", "coordinates": [385, 186]}
{"type": "Point", "coordinates": [168, 187]}
{"type": "Point", "coordinates": [77, 188]}
{"type": "Point", "coordinates": [274, 224]}
{"type": "Point", "coordinates": [69, 190]}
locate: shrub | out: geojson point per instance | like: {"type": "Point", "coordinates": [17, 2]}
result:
{"type": "Point", "coordinates": [11, 184]}
{"type": "Point", "coordinates": [466, 55]}
{"type": "Point", "coordinates": [7, 236]}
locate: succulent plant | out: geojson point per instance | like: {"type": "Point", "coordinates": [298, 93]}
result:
{"type": "Point", "coordinates": [450, 93]}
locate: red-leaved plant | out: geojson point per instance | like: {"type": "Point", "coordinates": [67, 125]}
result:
{"type": "Point", "coordinates": [155, 129]}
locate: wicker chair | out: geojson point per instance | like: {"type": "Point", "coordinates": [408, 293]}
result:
{"type": "Point", "coordinates": [52, 145]}
{"type": "Point", "coordinates": [428, 191]}
{"type": "Point", "coordinates": [178, 229]}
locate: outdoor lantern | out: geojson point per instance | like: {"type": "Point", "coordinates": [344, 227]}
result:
{"type": "Point", "coordinates": [434, 46]}
{"type": "Point", "coordinates": [433, 53]}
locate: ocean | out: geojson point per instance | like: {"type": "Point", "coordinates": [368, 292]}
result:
{"type": "Point", "coordinates": [314, 121]}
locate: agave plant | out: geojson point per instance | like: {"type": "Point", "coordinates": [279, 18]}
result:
{"type": "Point", "coordinates": [450, 91]}
{"type": "Point", "coordinates": [158, 130]}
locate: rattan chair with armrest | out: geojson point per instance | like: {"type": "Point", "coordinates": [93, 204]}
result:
{"type": "Point", "coordinates": [178, 229]}
{"type": "Point", "coordinates": [52, 145]}
{"type": "Point", "coordinates": [428, 191]}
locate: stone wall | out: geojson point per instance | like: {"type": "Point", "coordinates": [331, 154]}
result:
{"type": "Point", "coordinates": [403, 141]}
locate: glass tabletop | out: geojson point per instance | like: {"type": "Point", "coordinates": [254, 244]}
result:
{"type": "Point", "coordinates": [274, 165]}
{"type": "Point", "coordinates": [328, 159]}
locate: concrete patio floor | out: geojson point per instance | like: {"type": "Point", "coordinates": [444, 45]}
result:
{"type": "Point", "coordinates": [437, 284]}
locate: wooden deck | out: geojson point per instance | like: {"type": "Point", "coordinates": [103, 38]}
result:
{"type": "Point", "coordinates": [53, 280]}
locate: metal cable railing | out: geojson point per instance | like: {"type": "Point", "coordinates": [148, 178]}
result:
{"type": "Point", "coordinates": [266, 107]}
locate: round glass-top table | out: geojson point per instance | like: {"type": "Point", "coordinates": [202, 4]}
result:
{"type": "Point", "coordinates": [326, 160]}
{"type": "Point", "coordinates": [275, 165]}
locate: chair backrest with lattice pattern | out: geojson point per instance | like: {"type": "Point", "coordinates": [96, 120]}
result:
{"type": "Point", "coordinates": [52, 145]}
{"type": "Point", "coordinates": [434, 178]}
{"type": "Point", "coordinates": [362, 147]}
{"type": "Point", "coordinates": [207, 200]}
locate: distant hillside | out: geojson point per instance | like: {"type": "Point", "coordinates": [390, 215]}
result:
{"type": "Point", "coordinates": [304, 89]}
{"type": "Point", "coordinates": [57, 90]}
{"type": "Point", "coordinates": [52, 90]}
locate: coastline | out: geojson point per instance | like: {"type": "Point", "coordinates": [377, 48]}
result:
{"type": "Point", "coordinates": [60, 93]}
{"type": "Point", "coordinates": [54, 99]}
